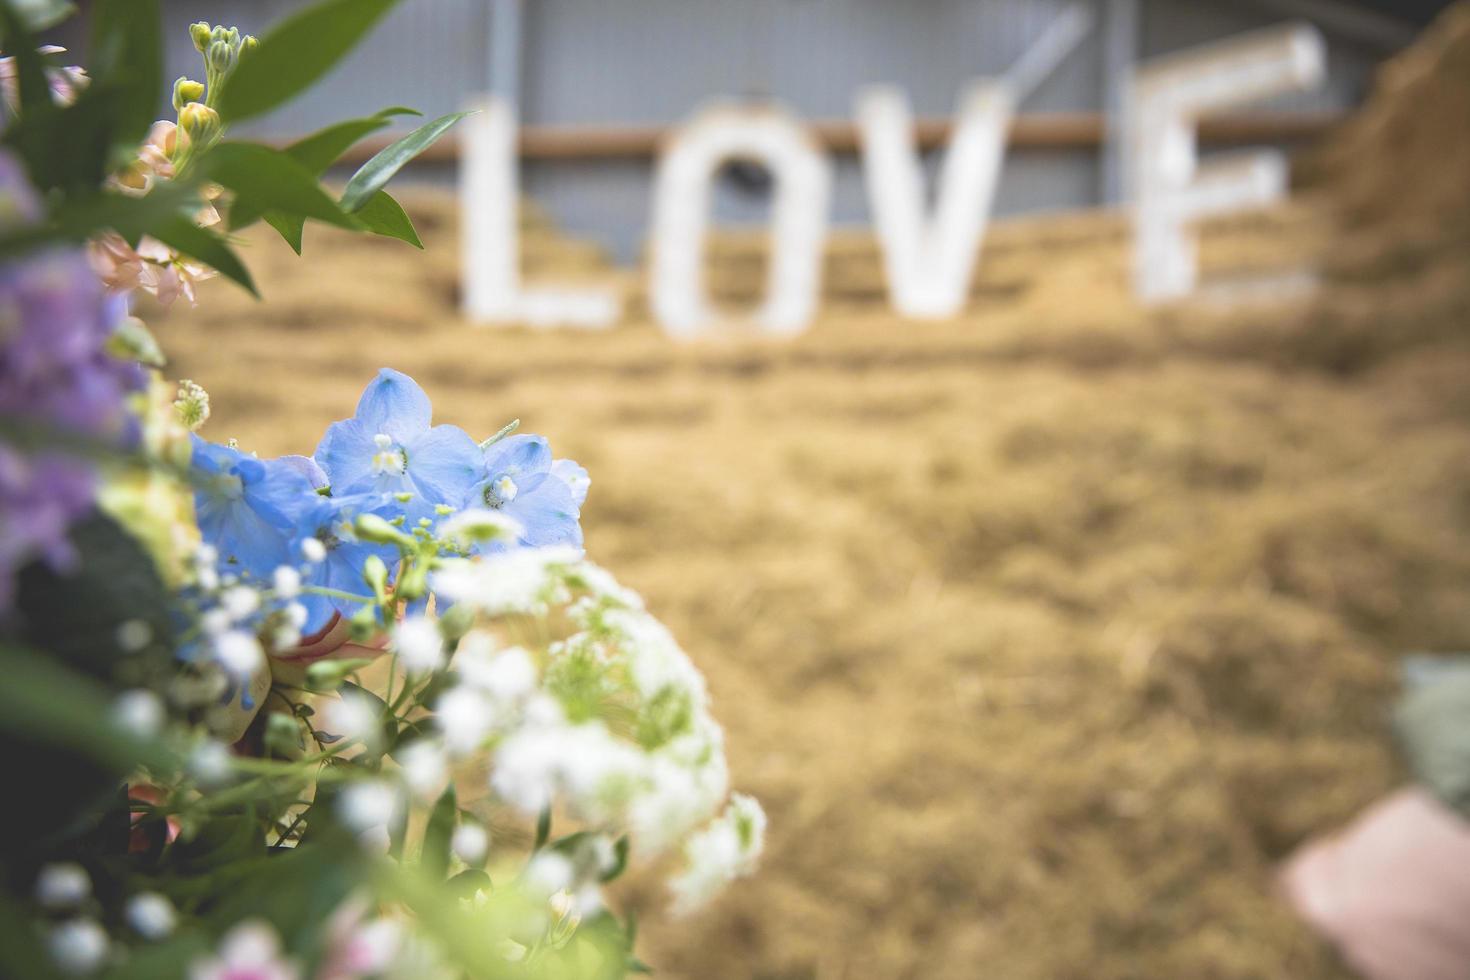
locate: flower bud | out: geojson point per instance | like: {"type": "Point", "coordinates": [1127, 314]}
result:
{"type": "Point", "coordinates": [328, 675]}
{"type": "Point", "coordinates": [283, 735]}
{"type": "Point", "coordinates": [249, 44]}
{"type": "Point", "coordinates": [199, 33]}
{"type": "Point", "coordinates": [186, 90]}
{"type": "Point", "coordinates": [375, 574]}
{"type": "Point", "coordinates": [371, 527]}
{"type": "Point", "coordinates": [199, 122]}
{"type": "Point", "coordinates": [220, 57]}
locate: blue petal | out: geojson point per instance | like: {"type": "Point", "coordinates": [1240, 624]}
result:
{"type": "Point", "coordinates": [308, 468]}
{"type": "Point", "coordinates": [445, 464]}
{"type": "Point", "coordinates": [394, 403]}
{"type": "Point", "coordinates": [548, 513]}
{"type": "Point", "coordinates": [345, 454]}
{"type": "Point", "coordinates": [574, 476]}
{"type": "Point", "coordinates": [517, 455]}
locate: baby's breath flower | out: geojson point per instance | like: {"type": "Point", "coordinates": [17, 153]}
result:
{"type": "Point", "coordinates": [367, 804]}
{"type": "Point", "coordinates": [465, 716]}
{"type": "Point", "coordinates": [133, 635]}
{"type": "Point", "coordinates": [240, 601]}
{"type": "Point", "coordinates": [425, 768]}
{"type": "Point", "coordinates": [352, 716]}
{"type": "Point", "coordinates": [419, 645]}
{"type": "Point", "coordinates": [286, 581]}
{"type": "Point", "coordinates": [151, 915]}
{"type": "Point", "coordinates": [78, 946]}
{"type": "Point", "coordinates": [209, 763]}
{"type": "Point", "coordinates": [238, 652]}
{"type": "Point", "coordinates": [139, 712]}
{"type": "Point", "coordinates": [727, 849]}
{"type": "Point", "coordinates": [313, 550]}
{"type": "Point", "coordinates": [470, 842]}
{"type": "Point", "coordinates": [62, 885]}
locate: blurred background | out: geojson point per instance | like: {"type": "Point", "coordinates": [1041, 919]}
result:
{"type": "Point", "coordinates": [1045, 633]}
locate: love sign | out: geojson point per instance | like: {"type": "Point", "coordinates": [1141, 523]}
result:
{"type": "Point", "coordinates": [929, 253]}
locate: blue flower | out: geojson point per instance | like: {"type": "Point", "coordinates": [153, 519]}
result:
{"type": "Point", "coordinates": [389, 447]}
{"type": "Point", "coordinates": [330, 522]}
{"type": "Point", "coordinates": [544, 496]}
{"type": "Point", "coordinates": [248, 508]}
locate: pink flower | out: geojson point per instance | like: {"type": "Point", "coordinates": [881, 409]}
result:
{"type": "Point", "coordinates": [64, 82]}
{"type": "Point", "coordinates": [356, 948]}
{"type": "Point", "coordinates": [249, 951]}
{"type": "Point", "coordinates": [332, 642]}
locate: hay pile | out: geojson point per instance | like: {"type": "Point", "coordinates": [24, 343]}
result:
{"type": "Point", "coordinates": [1042, 634]}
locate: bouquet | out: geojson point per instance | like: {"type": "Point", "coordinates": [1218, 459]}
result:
{"type": "Point", "coordinates": [368, 712]}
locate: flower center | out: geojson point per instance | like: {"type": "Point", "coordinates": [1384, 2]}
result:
{"type": "Point", "coordinates": [500, 491]}
{"type": "Point", "coordinates": [390, 459]}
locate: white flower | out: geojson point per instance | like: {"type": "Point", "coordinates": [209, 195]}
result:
{"type": "Point", "coordinates": [295, 614]}
{"type": "Point", "coordinates": [475, 525]}
{"type": "Point", "coordinates": [78, 946]}
{"type": "Point", "coordinates": [376, 839]}
{"type": "Point", "coordinates": [251, 949]}
{"type": "Point", "coordinates": [138, 712]}
{"type": "Point", "coordinates": [548, 873]}
{"type": "Point", "coordinates": [63, 885]}
{"type": "Point", "coordinates": [509, 582]}
{"type": "Point", "coordinates": [727, 849]}
{"type": "Point", "coordinates": [214, 622]}
{"type": "Point", "coordinates": [419, 645]}
{"type": "Point", "coordinates": [151, 915]}
{"type": "Point", "coordinates": [209, 763]}
{"type": "Point", "coordinates": [510, 676]}
{"type": "Point", "coordinates": [286, 581]}
{"type": "Point", "coordinates": [425, 768]}
{"type": "Point", "coordinates": [352, 716]}
{"type": "Point", "coordinates": [465, 716]}
{"type": "Point", "coordinates": [238, 652]}
{"type": "Point", "coordinates": [134, 635]}
{"type": "Point", "coordinates": [368, 804]}
{"type": "Point", "coordinates": [313, 550]}
{"type": "Point", "coordinates": [470, 843]}
{"type": "Point", "coordinates": [240, 601]}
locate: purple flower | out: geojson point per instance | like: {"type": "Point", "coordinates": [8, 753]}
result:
{"type": "Point", "coordinates": [55, 376]}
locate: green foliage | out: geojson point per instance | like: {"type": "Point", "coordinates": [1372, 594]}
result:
{"type": "Point", "coordinates": [438, 833]}
{"type": "Point", "coordinates": [295, 53]}
{"type": "Point", "coordinates": [374, 174]}
{"type": "Point", "coordinates": [1433, 727]}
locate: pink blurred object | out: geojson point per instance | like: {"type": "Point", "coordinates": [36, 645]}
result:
{"type": "Point", "coordinates": [1391, 890]}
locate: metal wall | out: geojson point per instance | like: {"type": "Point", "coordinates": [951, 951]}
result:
{"type": "Point", "coordinates": [654, 61]}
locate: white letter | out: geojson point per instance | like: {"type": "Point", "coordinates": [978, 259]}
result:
{"type": "Point", "coordinates": [1170, 189]}
{"type": "Point", "coordinates": [928, 263]}
{"type": "Point", "coordinates": [490, 202]}
{"type": "Point", "coordinates": [681, 204]}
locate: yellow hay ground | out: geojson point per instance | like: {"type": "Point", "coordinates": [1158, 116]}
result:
{"type": "Point", "coordinates": [1042, 634]}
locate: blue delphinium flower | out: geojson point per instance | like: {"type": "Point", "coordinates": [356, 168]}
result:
{"type": "Point", "coordinates": [330, 521]}
{"type": "Point", "coordinates": [249, 508]}
{"type": "Point", "coordinates": [543, 495]}
{"type": "Point", "coordinates": [389, 447]}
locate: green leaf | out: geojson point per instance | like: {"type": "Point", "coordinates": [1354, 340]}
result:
{"type": "Point", "coordinates": [384, 216]}
{"type": "Point", "coordinates": [30, 68]}
{"type": "Point", "coordinates": [83, 216]}
{"type": "Point", "coordinates": [290, 228]}
{"type": "Point", "coordinates": [199, 243]}
{"type": "Point", "coordinates": [264, 179]}
{"type": "Point", "coordinates": [371, 177]}
{"type": "Point", "coordinates": [398, 110]}
{"type": "Point", "coordinates": [295, 53]}
{"type": "Point", "coordinates": [543, 828]}
{"type": "Point", "coordinates": [323, 148]}
{"type": "Point", "coordinates": [41, 14]}
{"type": "Point", "coordinates": [438, 833]}
{"type": "Point", "coordinates": [620, 859]}
{"type": "Point", "coordinates": [127, 51]}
